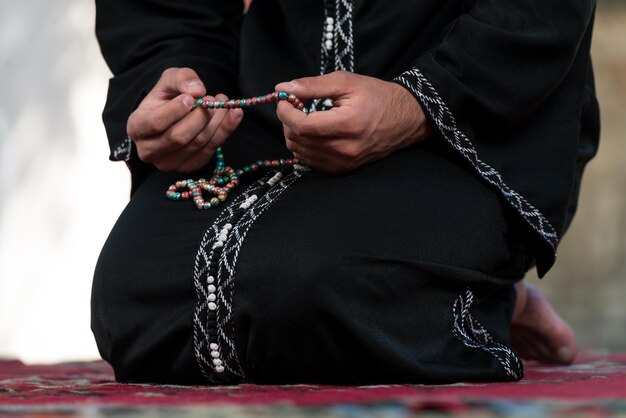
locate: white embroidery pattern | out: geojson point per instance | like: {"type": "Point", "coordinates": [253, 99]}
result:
{"type": "Point", "coordinates": [445, 122]}
{"type": "Point", "coordinates": [472, 334]}
{"type": "Point", "coordinates": [337, 47]}
{"type": "Point", "coordinates": [123, 150]}
{"type": "Point", "coordinates": [214, 333]}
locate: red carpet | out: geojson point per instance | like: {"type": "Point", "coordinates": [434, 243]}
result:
{"type": "Point", "coordinates": [593, 387]}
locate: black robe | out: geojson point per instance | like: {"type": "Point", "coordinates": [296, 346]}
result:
{"type": "Point", "coordinates": [507, 87]}
{"type": "Point", "coordinates": [510, 86]}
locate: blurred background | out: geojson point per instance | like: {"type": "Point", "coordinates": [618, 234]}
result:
{"type": "Point", "coordinates": [59, 194]}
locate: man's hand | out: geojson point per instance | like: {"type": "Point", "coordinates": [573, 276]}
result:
{"type": "Point", "coordinates": [369, 120]}
{"type": "Point", "coordinates": [171, 137]}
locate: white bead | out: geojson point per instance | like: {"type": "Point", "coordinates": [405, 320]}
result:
{"type": "Point", "coordinates": [212, 306]}
{"type": "Point", "coordinates": [329, 44]}
{"type": "Point", "coordinates": [217, 362]}
{"type": "Point", "coordinates": [329, 35]}
{"type": "Point", "coordinates": [330, 28]}
{"type": "Point", "coordinates": [228, 226]}
{"type": "Point", "coordinates": [218, 244]}
{"type": "Point", "coordinates": [330, 20]}
{"type": "Point", "coordinates": [219, 369]}
{"type": "Point", "coordinates": [222, 238]}
{"type": "Point", "coordinates": [254, 197]}
{"type": "Point", "coordinates": [328, 103]}
{"type": "Point", "coordinates": [212, 288]}
{"type": "Point", "coordinates": [213, 346]}
{"type": "Point", "coordinates": [224, 231]}
{"type": "Point", "coordinates": [211, 279]}
{"type": "Point", "coordinates": [212, 297]}
{"type": "Point", "coordinates": [215, 354]}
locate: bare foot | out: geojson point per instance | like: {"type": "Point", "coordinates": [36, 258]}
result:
{"type": "Point", "coordinates": [538, 332]}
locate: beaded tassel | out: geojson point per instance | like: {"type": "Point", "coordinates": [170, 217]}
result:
{"type": "Point", "coordinates": [226, 178]}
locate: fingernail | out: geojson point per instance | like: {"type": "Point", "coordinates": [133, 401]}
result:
{"type": "Point", "coordinates": [188, 101]}
{"type": "Point", "coordinates": [287, 86]}
{"type": "Point", "coordinates": [195, 84]}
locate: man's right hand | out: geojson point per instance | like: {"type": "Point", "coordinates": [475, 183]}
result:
{"type": "Point", "coordinates": [171, 137]}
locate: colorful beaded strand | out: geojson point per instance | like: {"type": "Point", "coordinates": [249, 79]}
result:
{"type": "Point", "coordinates": [254, 101]}
{"type": "Point", "coordinates": [226, 178]}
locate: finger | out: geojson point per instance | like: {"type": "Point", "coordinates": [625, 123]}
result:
{"type": "Point", "coordinates": [333, 85]}
{"type": "Point", "coordinates": [229, 124]}
{"type": "Point", "coordinates": [145, 123]}
{"type": "Point", "coordinates": [216, 120]}
{"type": "Point", "coordinates": [317, 125]}
{"type": "Point", "coordinates": [222, 124]}
{"type": "Point", "coordinates": [196, 160]}
{"type": "Point", "coordinates": [199, 151]}
{"type": "Point", "coordinates": [179, 80]}
{"type": "Point", "coordinates": [318, 159]}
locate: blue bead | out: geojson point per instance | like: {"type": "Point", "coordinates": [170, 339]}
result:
{"type": "Point", "coordinates": [283, 95]}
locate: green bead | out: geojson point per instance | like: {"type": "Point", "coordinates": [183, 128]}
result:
{"type": "Point", "coordinates": [242, 102]}
{"type": "Point", "coordinates": [220, 104]}
{"type": "Point", "coordinates": [283, 95]}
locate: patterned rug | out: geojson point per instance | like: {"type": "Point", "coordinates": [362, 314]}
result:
{"type": "Point", "coordinates": [593, 387]}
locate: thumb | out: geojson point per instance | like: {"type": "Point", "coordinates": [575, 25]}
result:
{"type": "Point", "coordinates": [332, 85]}
{"type": "Point", "coordinates": [174, 81]}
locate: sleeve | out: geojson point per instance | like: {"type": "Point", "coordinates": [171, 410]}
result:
{"type": "Point", "coordinates": [494, 67]}
{"type": "Point", "coordinates": [139, 39]}
{"type": "Point", "coordinates": [503, 59]}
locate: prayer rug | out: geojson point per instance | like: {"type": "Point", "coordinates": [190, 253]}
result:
{"type": "Point", "coordinates": [595, 386]}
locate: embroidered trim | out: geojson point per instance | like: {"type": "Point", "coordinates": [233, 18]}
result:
{"type": "Point", "coordinates": [343, 36]}
{"type": "Point", "coordinates": [214, 329]}
{"type": "Point", "coordinates": [473, 335]}
{"type": "Point", "coordinates": [337, 46]}
{"type": "Point", "coordinates": [443, 118]}
{"type": "Point", "coordinates": [123, 150]}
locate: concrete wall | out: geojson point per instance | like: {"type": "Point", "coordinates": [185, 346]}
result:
{"type": "Point", "coordinates": [59, 195]}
